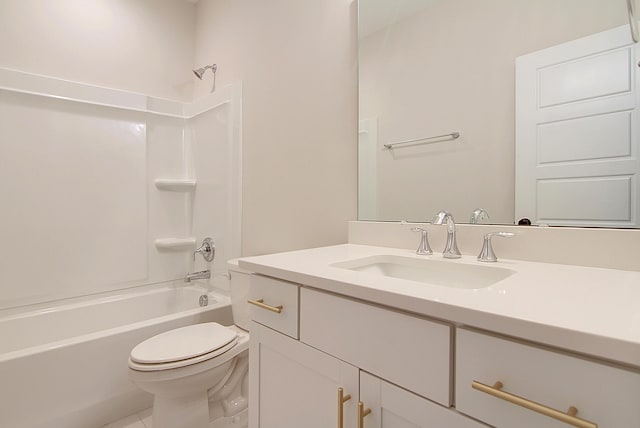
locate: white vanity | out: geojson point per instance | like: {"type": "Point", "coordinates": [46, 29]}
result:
{"type": "Point", "coordinates": [535, 345]}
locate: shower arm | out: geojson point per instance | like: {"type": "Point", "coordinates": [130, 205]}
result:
{"type": "Point", "coordinates": [214, 68]}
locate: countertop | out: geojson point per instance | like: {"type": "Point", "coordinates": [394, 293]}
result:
{"type": "Point", "coordinates": [592, 311]}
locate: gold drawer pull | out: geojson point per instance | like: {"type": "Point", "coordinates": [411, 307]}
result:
{"type": "Point", "coordinates": [362, 412]}
{"type": "Point", "coordinates": [260, 303]}
{"type": "Point", "coordinates": [568, 418]}
{"type": "Point", "coordinates": [341, 400]}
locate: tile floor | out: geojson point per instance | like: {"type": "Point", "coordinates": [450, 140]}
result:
{"type": "Point", "coordinates": [138, 420]}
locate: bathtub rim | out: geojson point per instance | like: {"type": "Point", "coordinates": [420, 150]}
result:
{"type": "Point", "coordinates": [49, 305]}
{"type": "Point", "coordinates": [221, 299]}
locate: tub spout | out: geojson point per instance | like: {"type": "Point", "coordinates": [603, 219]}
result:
{"type": "Point", "coordinates": [203, 274]}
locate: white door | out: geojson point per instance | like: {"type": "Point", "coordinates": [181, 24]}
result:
{"type": "Point", "coordinates": [394, 407]}
{"type": "Point", "coordinates": [294, 386]}
{"type": "Point", "coordinates": [577, 141]}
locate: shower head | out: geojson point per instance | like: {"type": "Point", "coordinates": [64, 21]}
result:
{"type": "Point", "coordinates": [200, 71]}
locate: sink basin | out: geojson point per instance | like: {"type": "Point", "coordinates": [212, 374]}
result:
{"type": "Point", "coordinates": [443, 273]}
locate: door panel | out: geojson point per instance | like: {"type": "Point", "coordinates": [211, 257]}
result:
{"type": "Point", "coordinates": [577, 140]}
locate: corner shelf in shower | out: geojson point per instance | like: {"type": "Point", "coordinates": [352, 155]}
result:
{"type": "Point", "coordinates": [175, 244]}
{"type": "Point", "coordinates": [176, 184]}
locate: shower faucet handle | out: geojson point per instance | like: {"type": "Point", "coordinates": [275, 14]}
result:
{"type": "Point", "coordinates": [207, 250]}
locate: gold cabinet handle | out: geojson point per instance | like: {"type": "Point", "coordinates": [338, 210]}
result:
{"type": "Point", "coordinates": [341, 400]}
{"type": "Point", "coordinates": [568, 418]}
{"type": "Point", "coordinates": [362, 412]}
{"type": "Point", "coordinates": [260, 303]}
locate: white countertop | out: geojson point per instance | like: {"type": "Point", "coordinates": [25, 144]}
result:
{"type": "Point", "coordinates": [592, 311]}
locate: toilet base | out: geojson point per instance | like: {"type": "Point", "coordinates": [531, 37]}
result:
{"type": "Point", "coordinates": [185, 411]}
{"type": "Point", "coordinates": [241, 420]}
{"type": "Point", "coordinates": [193, 412]}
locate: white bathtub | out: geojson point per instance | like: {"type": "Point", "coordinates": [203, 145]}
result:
{"type": "Point", "coordinates": [66, 366]}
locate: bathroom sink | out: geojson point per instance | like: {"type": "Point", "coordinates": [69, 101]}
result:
{"type": "Point", "coordinates": [443, 273]}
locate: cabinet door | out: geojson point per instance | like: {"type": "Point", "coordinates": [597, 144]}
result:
{"type": "Point", "coordinates": [394, 407]}
{"type": "Point", "coordinates": [543, 381]}
{"type": "Point", "coordinates": [293, 385]}
{"type": "Point", "coordinates": [403, 349]}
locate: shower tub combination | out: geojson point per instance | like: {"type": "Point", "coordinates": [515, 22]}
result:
{"type": "Point", "coordinates": [66, 365]}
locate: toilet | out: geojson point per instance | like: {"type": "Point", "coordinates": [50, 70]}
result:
{"type": "Point", "coordinates": [198, 374]}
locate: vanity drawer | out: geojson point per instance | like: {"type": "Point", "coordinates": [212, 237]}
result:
{"type": "Point", "coordinates": [274, 303]}
{"type": "Point", "coordinates": [402, 349]}
{"type": "Point", "coordinates": [603, 394]}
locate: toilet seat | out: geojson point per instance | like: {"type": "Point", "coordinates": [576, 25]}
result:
{"type": "Point", "coordinates": [183, 347]}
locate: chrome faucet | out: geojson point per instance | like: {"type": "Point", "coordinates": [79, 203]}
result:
{"type": "Point", "coordinates": [451, 248]}
{"type": "Point", "coordinates": [207, 250]}
{"type": "Point", "coordinates": [203, 274]}
{"type": "Point", "coordinates": [423, 248]}
{"type": "Point", "coordinates": [478, 214]}
{"type": "Point", "coordinates": [487, 254]}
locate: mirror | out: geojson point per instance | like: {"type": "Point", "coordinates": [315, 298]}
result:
{"type": "Point", "coordinates": [437, 68]}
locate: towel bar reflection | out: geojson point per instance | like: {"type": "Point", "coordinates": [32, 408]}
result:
{"type": "Point", "coordinates": [426, 140]}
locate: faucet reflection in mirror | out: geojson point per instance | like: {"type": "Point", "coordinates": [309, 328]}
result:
{"type": "Point", "coordinates": [477, 215]}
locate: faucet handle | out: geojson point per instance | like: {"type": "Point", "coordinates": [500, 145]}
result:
{"type": "Point", "coordinates": [487, 254]}
{"type": "Point", "coordinates": [207, 249]}
{"type": "Point", "coordinates": [423, 249]}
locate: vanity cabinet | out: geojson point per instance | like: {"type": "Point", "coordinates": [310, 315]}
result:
{"type": "Point", "coordinates": [406, 350]}
{"type": "Point", "coordinates": [544, 381]}
{"type": "Point", "coordinates": [296, 386]}
{"type": "Point", "coordinates": [394, 407]}
{"type": "Point", "coordinates": [396, 364]}
{"type": "Point", "coordinates": [413, 371]}
{"type": "Point", "coordinates": [274, 303]}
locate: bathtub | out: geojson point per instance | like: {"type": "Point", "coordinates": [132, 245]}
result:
{"type": "Point", "coordinates": [66, 365]}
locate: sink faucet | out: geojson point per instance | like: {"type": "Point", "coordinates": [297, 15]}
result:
{"type": "Point", "coordinates": [203, 274]}
{"type": "Point", "coordinates": [451, 248]}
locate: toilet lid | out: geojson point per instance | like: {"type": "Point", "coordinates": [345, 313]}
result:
{"type": "Point", "coordinates": [183, 343]}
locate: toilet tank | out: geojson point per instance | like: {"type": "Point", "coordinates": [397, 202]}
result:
{"type": "Point", "coordinates": [239, 283]}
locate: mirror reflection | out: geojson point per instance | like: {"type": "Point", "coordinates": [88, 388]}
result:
{"type": "Point", "coordinates": [440, 77]}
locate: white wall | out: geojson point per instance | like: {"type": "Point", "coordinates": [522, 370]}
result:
{"type": "Point", "coordinates": [452, 68]}
{"type": "Point", "coordinates": [297, 63]}
{"type": "Point", "coordinates": [143, 46]}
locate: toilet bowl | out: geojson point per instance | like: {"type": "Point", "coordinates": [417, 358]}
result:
{"type": "Point", "coordinates": [198, 374]}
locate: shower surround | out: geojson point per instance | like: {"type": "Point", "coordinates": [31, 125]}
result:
{"type": "Point", "coordinates": [106, 191]}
